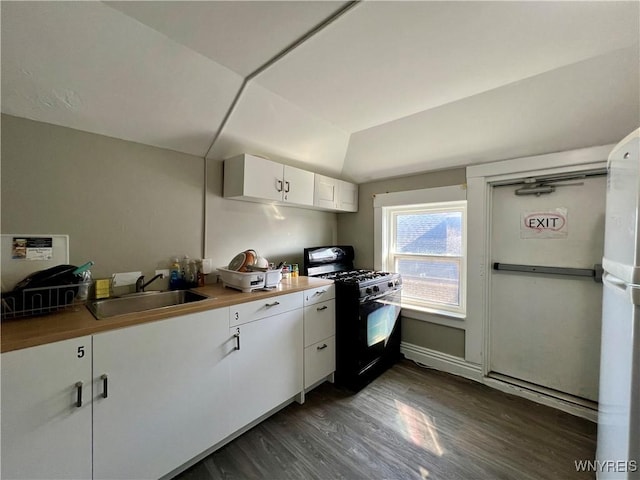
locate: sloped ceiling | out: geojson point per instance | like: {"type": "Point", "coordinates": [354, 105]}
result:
{"type": "Point", "coordinates": [383, 89]}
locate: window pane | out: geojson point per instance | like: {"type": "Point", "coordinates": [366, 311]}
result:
{"type": "Point", "coordinates": [431, 279]}
{"type": "Point", "coordinates": [437, 233]}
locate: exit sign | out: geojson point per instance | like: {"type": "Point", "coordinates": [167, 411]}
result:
{"type": "Point", "coordinates": [550, 223]}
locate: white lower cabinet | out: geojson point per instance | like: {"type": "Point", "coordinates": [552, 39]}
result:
{"type": "Point", "coordinates": [269, 307]}
{"type": "Point", "coordinates": [164, 398]}
{"type": "Point", "coordinates": [319, 361]}
{"type": "Point", "coordinates": [46, 411]}
{"type": "Point", "coordinates": [319, 335]}
{"type": "Point", "coordinates": [266, 366]}
{"type": "Point", "coordinates": [141, 401]}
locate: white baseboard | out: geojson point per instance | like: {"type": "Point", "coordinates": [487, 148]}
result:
{"type": "Point", "coordinates": [459, 366]}
{"type": "Point", "coordinates": [442, 361]}
{"type": "Point", "coordinates": [549, 401]}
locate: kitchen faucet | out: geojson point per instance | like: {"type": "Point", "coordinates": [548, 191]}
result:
{"type": "Point", "coordinates": [140, 285]}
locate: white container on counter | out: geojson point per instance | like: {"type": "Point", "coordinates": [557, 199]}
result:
{"type": "Point", "coordinates": [272, 278]}
{"type": "Point", "coordinates": [244, 281]}
{"type": "Point", "coordinates": [249, 281]}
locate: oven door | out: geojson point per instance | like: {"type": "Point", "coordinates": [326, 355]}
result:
{"type": "Point", "coordinates": [379, 329]}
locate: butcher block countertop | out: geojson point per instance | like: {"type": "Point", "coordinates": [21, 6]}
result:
{"type": "Point", "coordinates": [78, 321]}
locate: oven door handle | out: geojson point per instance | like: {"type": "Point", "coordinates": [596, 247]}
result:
{"type": "Point", "coordinates": [388, 293]}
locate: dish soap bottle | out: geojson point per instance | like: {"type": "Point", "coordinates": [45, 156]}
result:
{"type": "Point", "coordinates": [175, 280]}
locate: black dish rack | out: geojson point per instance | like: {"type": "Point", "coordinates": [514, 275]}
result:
{"type": "Point", "coordinates": [42, 300]}
{"type": "Point", "coordinates": [47, 291]}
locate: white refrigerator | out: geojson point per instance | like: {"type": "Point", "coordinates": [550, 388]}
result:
{"type": "Point", "coordinates": [618, 451]}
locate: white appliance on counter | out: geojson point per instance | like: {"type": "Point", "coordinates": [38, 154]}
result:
{"type": "Point", "coordinates": [618, 452]}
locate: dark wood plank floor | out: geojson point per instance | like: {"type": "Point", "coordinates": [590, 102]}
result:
{"type": "Point", "coordinates": [409, 423]}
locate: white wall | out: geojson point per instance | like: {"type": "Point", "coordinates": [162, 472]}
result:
{"type": "Point", "coordinates": [275, 232]}
{"type": "Point", "coordinates": [357, 229]}
{"type": "Point", "coordinates": [131, 207]}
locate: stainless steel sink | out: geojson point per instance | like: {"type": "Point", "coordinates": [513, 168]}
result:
{"type": "Point", "coordinates": [140, 302]}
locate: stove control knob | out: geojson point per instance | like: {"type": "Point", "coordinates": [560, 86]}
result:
{"type": "Point", "coordinates": [390, 284]}
{"type": "Point", "coordinates": [376, 289]}
{"type": "Point", "coordinates": [368, 291]}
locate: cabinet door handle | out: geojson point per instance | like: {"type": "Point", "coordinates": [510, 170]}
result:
{"type": "Point", "coordinates": [278, 185]}
{"type": "Point", "coordinates": [320, 292]}
{"type": "Point", "coordinates": [286, 187]}
{"type": "Point", "coordinates": [237, 335]}
{"type": "Point", "coordinates": [268, 305]}
{"type": "Point", "coordinates": [105, 385]}
{"type": "Point", "coordinates": [324, 307]}
{"type": "Point", "coordinates": [79, 398]}
{"type": "Point", "coordinates": [322, 347]}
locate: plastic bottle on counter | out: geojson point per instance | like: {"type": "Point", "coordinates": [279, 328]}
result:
{"type": "Point", "coordinates": [199, 274]}
{"type": "Point", "coordinates": [294, 270]}
{"type": "Point", "coordinates": [184, 267]}
{"type": "Point", "coordinates": [175, 280]}
{"type": "Point", "coordinates": [191, 274]}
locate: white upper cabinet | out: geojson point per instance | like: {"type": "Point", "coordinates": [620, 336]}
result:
{"type": "Point", "coordinates": [334, 194]}
{"type": "Point", "coordinates": [247, 177]}
{"type": "Point", "coordinates": [298, 186]}
{"type": "Point", "coordinates": [325, 192]}
{"type": "Point", "coordinates": [347, 197]}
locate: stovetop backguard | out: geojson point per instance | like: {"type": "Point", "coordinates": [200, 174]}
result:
{"type": "Point", "coordinates": [327, 259]}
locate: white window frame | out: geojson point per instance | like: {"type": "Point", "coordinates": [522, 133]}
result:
{"type": "Point", "coordinates": [434, 199]}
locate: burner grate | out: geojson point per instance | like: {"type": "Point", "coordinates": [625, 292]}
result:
{"type": "Point", "coordinates": [356, 276]}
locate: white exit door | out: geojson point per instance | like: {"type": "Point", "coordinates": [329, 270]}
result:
{"type": "Point", "coordinates": [545, 328]}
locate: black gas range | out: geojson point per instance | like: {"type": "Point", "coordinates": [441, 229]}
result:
{"type": "Point", "coordinates": [371, 284]}
{"type": "Point", "coordinates": [367, 314]}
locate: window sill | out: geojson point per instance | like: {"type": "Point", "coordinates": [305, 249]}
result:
{"type": "Point", "coordinates": [432, 315]}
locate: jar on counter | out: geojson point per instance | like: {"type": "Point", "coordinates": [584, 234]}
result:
{"type": "Point", "coordinates": [294, 270]}
{"type": "Point", "coordinates": [286, 273]}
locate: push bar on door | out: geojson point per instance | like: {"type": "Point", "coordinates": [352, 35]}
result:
{"type": "Point", "coordinates": [595, 272]}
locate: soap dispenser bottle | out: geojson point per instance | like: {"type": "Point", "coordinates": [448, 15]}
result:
{"type": "Point", "coordinates": [175, 278]}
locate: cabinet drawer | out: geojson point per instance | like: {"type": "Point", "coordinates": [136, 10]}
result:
{"type": "Point", "coordinates": [319, 361]}
{"type": "Point", "coordinates": [266, 307]}
{"type": "Point", "coordinates": [319, 322]}
{"type": "Point", "coordinates": [320, 294]}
